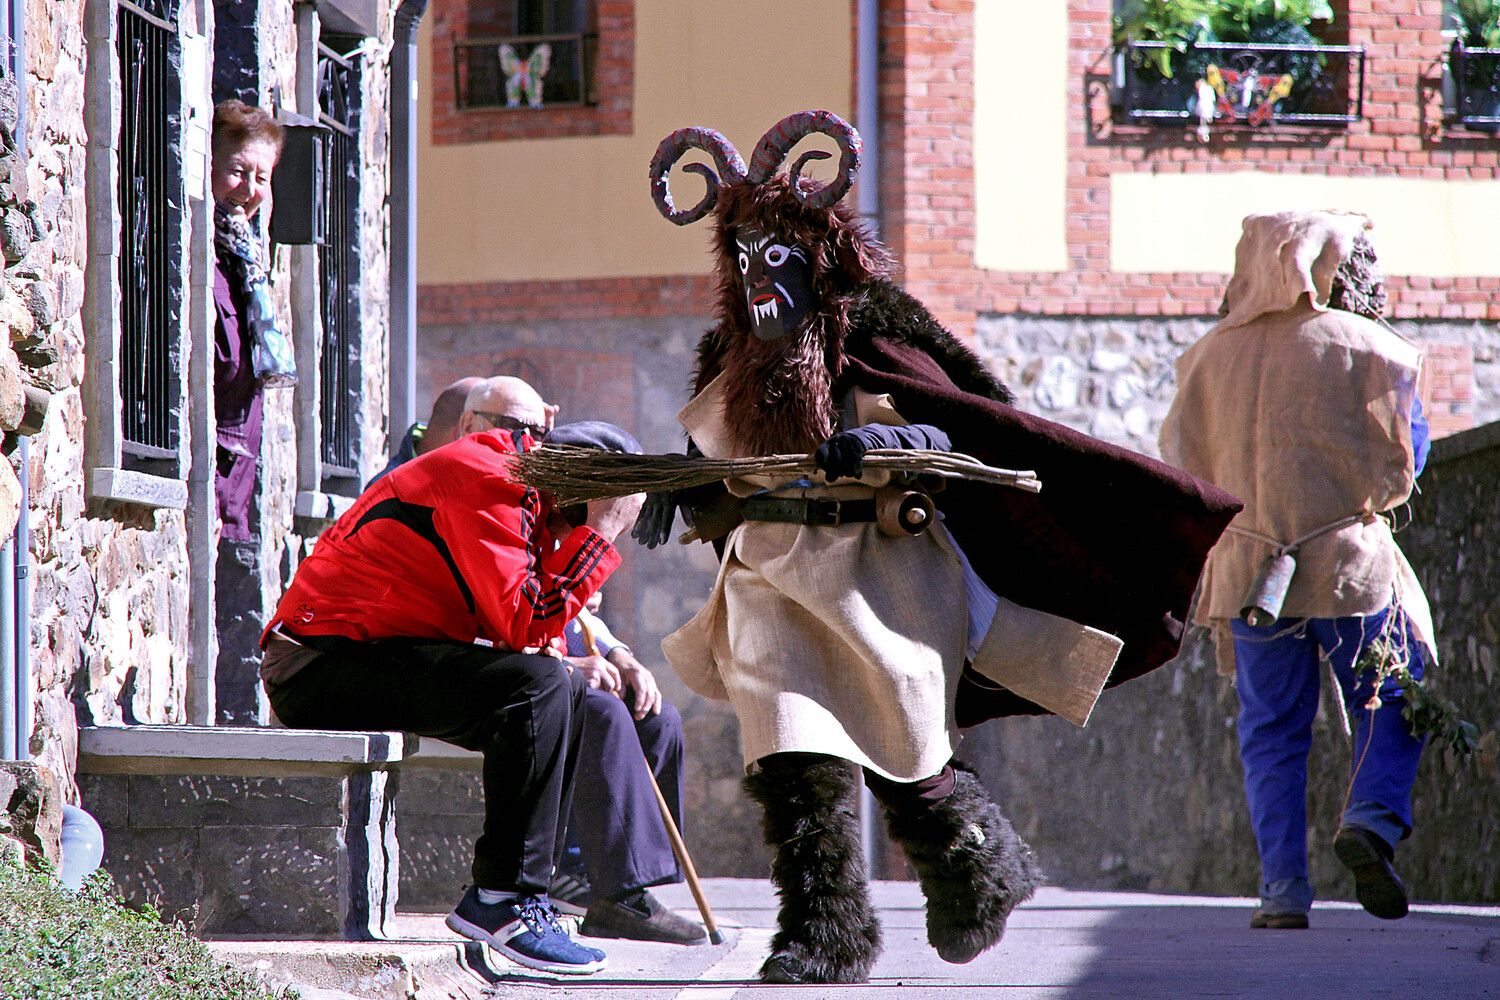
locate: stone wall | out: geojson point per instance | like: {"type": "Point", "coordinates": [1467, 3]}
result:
{"type": "Point", "coordinates": [31, 812]}
{"type": "Point", "coordinates": [111, 582]}
{"type": "Point", "coordinates": [109, 623]}
{"type": "Point", "coordinates": [1454, 545]}
{"type": "Point", "coordinates": [1149, 795]}
{"type": "Point", "coordinates": [1113, 377]}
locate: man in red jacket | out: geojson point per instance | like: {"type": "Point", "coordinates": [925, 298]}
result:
{"type": "Point", "coordinates": [431, 607]}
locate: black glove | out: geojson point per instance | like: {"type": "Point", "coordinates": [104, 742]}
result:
{"type": "Point", "coordinates": [653, 525]}
{"type": "Point", "coordinates": [843, 455]}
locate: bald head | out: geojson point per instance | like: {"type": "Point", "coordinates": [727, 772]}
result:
{"type": "Point", "coordinates": [508, 403]}
{"type": "Point", "coordinates": [442, 426]}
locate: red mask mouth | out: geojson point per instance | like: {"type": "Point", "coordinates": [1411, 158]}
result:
{"type": "Point", "coordinates": [765, 306]}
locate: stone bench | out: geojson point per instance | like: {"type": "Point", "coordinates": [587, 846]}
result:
{"type": "Point", "coordinates": [247, 831]}
{"type": "Point", "coordinates": [441, 815]}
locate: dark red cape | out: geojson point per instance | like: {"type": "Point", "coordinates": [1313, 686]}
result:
{"type": "Point", "coordinates": [1115, 539]}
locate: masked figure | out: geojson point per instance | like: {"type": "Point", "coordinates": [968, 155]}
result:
{"type": "Point", "coordinates": [850, 642]}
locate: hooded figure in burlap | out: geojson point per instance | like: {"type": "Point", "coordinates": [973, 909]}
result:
{"type": "Point", "coordinates": [1302, 402]}
{"type": "Point", "coordinates": [846, 645]}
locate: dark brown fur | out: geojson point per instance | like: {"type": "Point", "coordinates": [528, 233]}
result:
{"type": "Point", "coordinates": [779, 395]}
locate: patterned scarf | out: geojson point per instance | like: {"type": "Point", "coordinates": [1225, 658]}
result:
{"type": "Point", "coordinates": [240, 253]}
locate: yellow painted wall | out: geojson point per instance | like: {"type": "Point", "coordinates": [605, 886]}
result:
{"type": "Point", "coordinates": [548, 209]}
{"type": "Point", "coordinates": [1191, 222]}
{"type": "Point", "coordinates": [1020, 136]}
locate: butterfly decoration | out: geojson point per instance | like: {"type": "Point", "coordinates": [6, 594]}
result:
{"type": "Point", "coordinates": [525, 76]}
{"type": "Point", "coordinates": [1230, 94]}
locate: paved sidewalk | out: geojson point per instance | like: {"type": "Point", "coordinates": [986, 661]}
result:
{"type": "Point", "coordinates": [1063, 944]}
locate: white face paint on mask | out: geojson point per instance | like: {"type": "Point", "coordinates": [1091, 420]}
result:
{"type": "Point", "coordinates": [777, 281]}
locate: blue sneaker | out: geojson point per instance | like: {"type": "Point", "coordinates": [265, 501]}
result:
{"type": "Point", "coordinates": [526, 931]}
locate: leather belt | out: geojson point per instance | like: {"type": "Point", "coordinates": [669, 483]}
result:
{"type": "Point", "coordinates": [818, 511]}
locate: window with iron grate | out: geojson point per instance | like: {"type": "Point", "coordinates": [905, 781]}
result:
{"type": "Point", "coordinates": [339, 266]}
{"type": "Point", "coordinates": [526, 54]}
{"type": "Point", "coordinates": [150, 260]}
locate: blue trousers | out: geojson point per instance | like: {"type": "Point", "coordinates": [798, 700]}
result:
{"type": "Point", "coordinates": [1276, 675]}
{"type": "Point", "coordinates": [616, 824]}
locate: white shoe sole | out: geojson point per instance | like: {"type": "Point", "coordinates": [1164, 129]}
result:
{"type": "Point", "coordinates": [474, 932]}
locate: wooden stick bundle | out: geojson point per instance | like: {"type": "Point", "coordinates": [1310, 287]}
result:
{"type": "Point", "coordinates": [577, 475]}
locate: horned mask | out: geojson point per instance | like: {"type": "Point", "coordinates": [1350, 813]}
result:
{"type": "Point", "coordinates": [775, 271]}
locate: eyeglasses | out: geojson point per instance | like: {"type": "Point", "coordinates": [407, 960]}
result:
{"type": "Point", "coordinates": [509, 423]}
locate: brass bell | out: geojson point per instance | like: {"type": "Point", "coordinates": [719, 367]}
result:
{"type": "Point", "coordinates": [901, 513]}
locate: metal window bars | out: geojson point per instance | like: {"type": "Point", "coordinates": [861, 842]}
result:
{"type": "Point", "coordinates": [1254, 84]}
{"type": "Point", "coordinates": [338, 264]}
{"type": "Point", "coordinates": [1475, 80]}
{"type": "Point", "coordinates": [148, 329]}
{"type": "Point", "coordinates": [524, 71]}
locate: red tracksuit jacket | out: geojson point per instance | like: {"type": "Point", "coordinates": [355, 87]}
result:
{"type": "Point", "coordinates": [447, 546]}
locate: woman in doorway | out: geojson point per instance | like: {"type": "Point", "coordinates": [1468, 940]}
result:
{"type": "Point", "coordinates": [246, 145]}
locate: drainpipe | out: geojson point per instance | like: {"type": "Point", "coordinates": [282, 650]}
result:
{"type": "Point", "coordinates": [23, 606]}
{"type": "Point", "coordinates": [867, 201]}
{"type": "Point", "coordinates": [10, 698]}
{"type": "Point", "coordinates": [867, 110]}
{"type": "Point", "coordinates": [14, 634]}
{"type": "Point", "coordinates": [403, 268]}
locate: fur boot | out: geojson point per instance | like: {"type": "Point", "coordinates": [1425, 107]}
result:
{"type": "Point", "coordinates": [827, 932]}
{"type": "Point", "coordinates": [973, 867]}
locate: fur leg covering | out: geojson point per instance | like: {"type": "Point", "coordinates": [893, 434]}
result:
{"type": "Point", "coordinates": [827, 932]}
{"type": "Point", "coordinates": [973, 867]}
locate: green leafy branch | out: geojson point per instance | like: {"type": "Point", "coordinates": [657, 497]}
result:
{"type": "Point", "coordinates": [1433, 718]}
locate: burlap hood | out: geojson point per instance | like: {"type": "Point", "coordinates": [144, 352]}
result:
{"type": "Point", "coordinates": [1304, 412]}
{"type": "Point", "coordinates": [1307, 248]}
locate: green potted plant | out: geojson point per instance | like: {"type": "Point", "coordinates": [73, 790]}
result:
{"type": "Point", "coordinates": [1176, 23]}
{"type": "Point", "coordinates": [1183, 24]}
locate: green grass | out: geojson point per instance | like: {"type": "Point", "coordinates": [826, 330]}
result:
{"type": "Point", "coordinates": [89, 945]}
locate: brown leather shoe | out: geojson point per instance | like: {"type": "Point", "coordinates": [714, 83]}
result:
{"type": "Point", "coordinates": [640, 917]}
{"type": "Point", "coordinates": [1260, 919]}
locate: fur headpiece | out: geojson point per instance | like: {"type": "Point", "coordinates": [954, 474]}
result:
{"type": "Point", "coordinates": [779, 395]}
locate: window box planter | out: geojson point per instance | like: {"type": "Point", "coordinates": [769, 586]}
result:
{"type": "Point", "coordinates": [1256, 84]}
{"type": "Point", "coordinates": [1472, 94]}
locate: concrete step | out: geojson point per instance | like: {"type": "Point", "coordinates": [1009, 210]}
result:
{"type": "Point", "coordinates": [425, 962]}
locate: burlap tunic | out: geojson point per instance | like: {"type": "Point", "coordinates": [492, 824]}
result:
{"type": "Point", "coordinates": [839, 641]}
{"type": "Point", "coordinates": [1302, 454]}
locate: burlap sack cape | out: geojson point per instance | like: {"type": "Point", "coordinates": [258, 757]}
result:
{"type": "Point", "coordinates": [1305, 413]}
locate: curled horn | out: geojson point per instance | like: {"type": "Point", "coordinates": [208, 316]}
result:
{"type": "Point", "coordinates": [774, 146]}
{"type": "Point", "coordinates": [673, 148]}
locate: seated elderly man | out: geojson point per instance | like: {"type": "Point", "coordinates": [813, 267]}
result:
{"type": "Point", "coordinates": [429, 607]}
{"type": "Point", "coordinates": [442, 427]}
{"type": "Point", "coordinates": [622, 843]}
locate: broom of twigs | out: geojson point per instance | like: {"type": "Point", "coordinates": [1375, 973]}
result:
{"type": "Point", "coordinates": [577, 475]}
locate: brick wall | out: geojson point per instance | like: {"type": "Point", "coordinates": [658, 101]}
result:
{"type": "Point", "coordinates": [1447, 388]}
{"type": "Point", "coordinates": [926, 74]}
{"type": "Point", "coordinates": [584, 298]}
{"type": "Point", "coordinates": [614, 78]}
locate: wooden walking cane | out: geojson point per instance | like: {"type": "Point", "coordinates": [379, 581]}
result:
{"type": "Point", "coordinates": [679, 847]}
